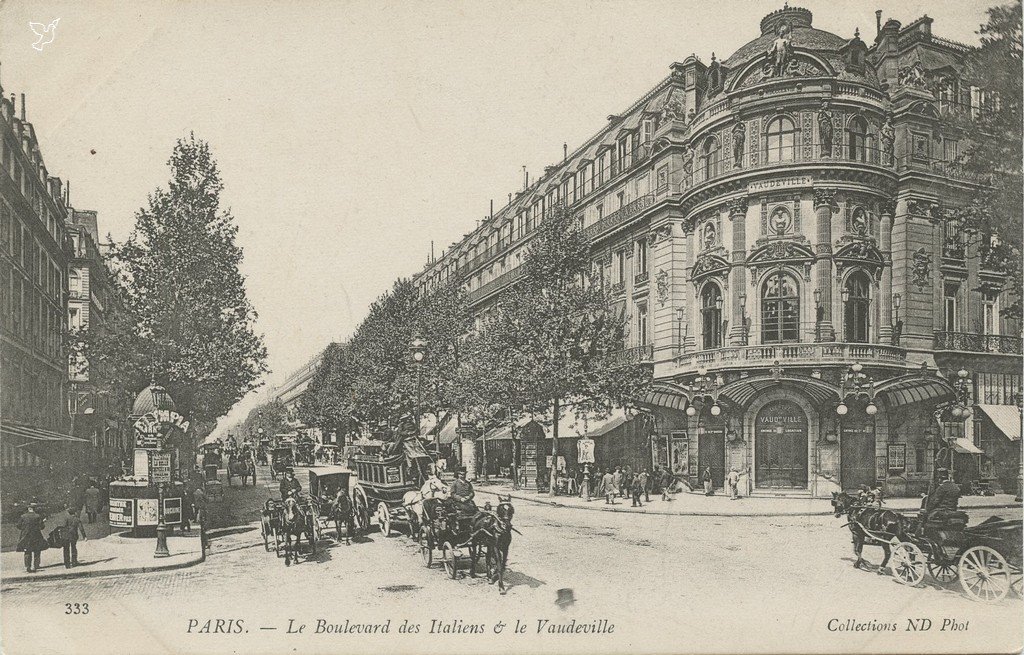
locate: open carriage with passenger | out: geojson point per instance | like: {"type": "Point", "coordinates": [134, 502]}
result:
{"type": "Point", "coordinates": [985, 558]}
{"type": "Point", "coordinates": [282, 458]}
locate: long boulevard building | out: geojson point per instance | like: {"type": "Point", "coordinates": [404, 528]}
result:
{"type": "Point", "coordinates": [773, 227]}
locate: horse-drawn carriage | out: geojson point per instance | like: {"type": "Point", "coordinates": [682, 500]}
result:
{"type": "Point", "coordinates": [282, 458]}
{"type": "Point", "coordinates": [986, 558]}
{"type": "Point", "coordinates": [383, 482]}
{"type": "Point", "coordinates": [287, 523]}
{"type": "Point", "coordinates": [324, 485]}
{"type": "Point", "coordinates": [241, 464]}
{"type": "Point", "coordinates": [458, 534]}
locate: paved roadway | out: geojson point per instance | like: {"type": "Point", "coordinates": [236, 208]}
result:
{"type": "Point", "coordinates": [668, 583]}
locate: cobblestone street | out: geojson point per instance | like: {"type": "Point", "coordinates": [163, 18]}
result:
{"type": "Point", "coordinates": [697, 580]}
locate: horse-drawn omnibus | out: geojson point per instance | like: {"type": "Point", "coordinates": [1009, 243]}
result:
{"type": "Point", "coordinates": [385, 479]}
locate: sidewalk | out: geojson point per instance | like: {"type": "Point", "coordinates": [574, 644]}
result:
{"type": "Point", "coordinates": [105, 552]}
{"type": "Point", "coordinates": [697, 504]}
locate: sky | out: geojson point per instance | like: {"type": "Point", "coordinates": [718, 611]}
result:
{"type": "Point", "coordinates": [350, 135]}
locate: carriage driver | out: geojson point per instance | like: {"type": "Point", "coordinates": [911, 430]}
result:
{"type": "Point", "coordinates": [944, 500]}
{"type": "Point", "coordinates": [461, 493]}
{"type": "Point", "coordinates": [289, 483]}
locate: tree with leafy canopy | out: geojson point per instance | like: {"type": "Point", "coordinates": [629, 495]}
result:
{"type": "Point", "coordinates": [993, 149]}
{"type": "Point", "coordinates": [552, 339]}
{"type": "Point", "coordinates": [327, 402]}
{"type": "Point", "coordinates": [271, 416]}
{"type": "Point", "coordinates": [185, 321]}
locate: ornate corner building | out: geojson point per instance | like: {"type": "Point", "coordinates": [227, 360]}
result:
{"type": "Point", "coordinates": [773, 226]}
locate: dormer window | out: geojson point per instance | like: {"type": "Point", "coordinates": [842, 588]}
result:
{"type": "Point", "coordinates": [647, 131]}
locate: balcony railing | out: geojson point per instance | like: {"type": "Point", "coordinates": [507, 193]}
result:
{"type": "Point", "coordinates": [498, 283]}
{"type": "Point", "coordinates": [977, 343]}
{"type": "Point", "coordinates": [795, 353]}
{"type": "Point", "coordinates": [619, 217]}
{"type": "Point", "coordinates": [628, 356]}
{"type": "Point", "coordinates": [723, 164]}
{"type": "Point", "coordinates": [641, 278]}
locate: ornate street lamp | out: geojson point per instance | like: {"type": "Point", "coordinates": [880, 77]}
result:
{"type": "Point", "coordinates": [706, 388]}
{"type": "Point", "coordinates": [744, 321]}
{"type": "Point", "coordinates": [418, 348]}
{"type": "Point", "coordinates": [857, 384]}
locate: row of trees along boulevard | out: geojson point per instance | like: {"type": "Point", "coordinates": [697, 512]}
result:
{"type": "Point", "coordinates": [539, 349]}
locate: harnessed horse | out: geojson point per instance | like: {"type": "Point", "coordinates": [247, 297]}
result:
{"type": "Point", "coordinates": [871, 526]}
{"type": "Point", "coordinates": [493, 531]}
{"type": "Point", "coordinates": [243, 466]}
{"type": "Point", "coordinates": [295, 521]}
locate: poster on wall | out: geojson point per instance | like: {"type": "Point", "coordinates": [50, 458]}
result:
{"type": "Point", "coordinates": [680, 453]}
{"type": "Point", "coordinates": [141, 464]}
{"type": "Point", "coordinates": [585, 449]}
{"type": "Point", "coordinates": [172, 511]}
{"type": "Point", "coordinates": [121, 512]}
{"type": "Point", "coordinates": [881, 467]}
{"type": "Point", "coordinates": [147, 511]}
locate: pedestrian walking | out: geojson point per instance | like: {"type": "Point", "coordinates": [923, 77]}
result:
{"type": "Point", "coordinates": [610, 488]}
{"type": "Point", "coordinates": [617, 476]}
{"type": "Point", "coordinates": [644, 480]}
{"type": "Point", "coordinates": [93, 501]}
{"type": "Point", "coordinates": [71, 529]}
{"type": "Point", "coordinates": [733, 479]}
{"type": "Point", "coordinates": [636, 490]}
{"type": "Point", "coordinates": [626, 483]}
{"type": "Point", "coordinates": [31, 541]}
{"type": "Point", "coordinates": [708, 481]}
{"type": "Point", "coordinates": [667, 480]}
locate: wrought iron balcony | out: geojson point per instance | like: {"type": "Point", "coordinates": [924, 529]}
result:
{"type": "Point", "coordinates": [978, 343]}
{"type": "Point", "coordinates": [626, 356]}
{"type": "Point", "coordinates": [495, 285]}
{"type": "Point", "coordinates": [641, 278]}
{"type": "Point", "coordinates": [619, 217]}
{"type": "Point", "coordinates": [794, 353]}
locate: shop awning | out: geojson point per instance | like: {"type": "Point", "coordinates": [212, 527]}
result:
{"type": "Point", "coordinates": [31, 433]}
{"type": "Point", "coordinates": [449, 433]}
{"type": "Point", "coordinates": [667, 394]}
{"type": "Point", "coordinates": [572, 427]}
{"type": "Point", "coordinates": [504, 432]}
{"type": "Point", "coordinates": [1005, 417]}
{"type": "Point", "coordinates": [427, 425]}
{"type": "Point", "coordinates": [964, 445]}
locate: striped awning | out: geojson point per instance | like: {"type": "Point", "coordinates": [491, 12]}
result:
{"type": "Point", "coordinates": [913, 388]}
{"type": "Point", "coordinates": [964, 445]}
{"type": "Point", "coordinates": [1006, 418]}
{"type": "Point", "coordinates": [26, 445]}
{"type": "Point", "coordinates": [667, 394]}
{"type": "Point", "coordinates": [741, 392]}
{"type": "Point", "coordinates": [449, 432]}
{"type": "Point", "coordinates": [32, 433]}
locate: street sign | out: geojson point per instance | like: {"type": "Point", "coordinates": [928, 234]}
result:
{"type": "Point", "coordinates": [121, 512]}
{"type": "Point", "coordinates": [160, 467]}
{"type": "Point", "coordinates": [172, 511]}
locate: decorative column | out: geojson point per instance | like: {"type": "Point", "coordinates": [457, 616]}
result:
{"type": "Point", "coordinates": [824, 205]}
{"type": "Point", "coordinates": [885, 287]}
{"type": "Point", "coordinates": [738, 271]}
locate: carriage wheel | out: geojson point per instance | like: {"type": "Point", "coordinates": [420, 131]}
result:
{"type": "Point", "coordinates": [361, 514]}
{"type": "Point", "coordinates": [984, 574]}
{"type": "Point", "coordinates": [450, 559]}
{"type": "Point", "coordinates": [908, 564]}
{"type": "Point", "coordinates": [312, 541]}
{"type": "Point", "coordinates": [944, 572]}
{"type": "Point", "coordinates": [278, 546]}
{"type": "Point", "coordinates": [265, 529]}
{"type": "Point", "coordinates": [427, 552]}
{"type": "Point", "coordinates": [384, 519]}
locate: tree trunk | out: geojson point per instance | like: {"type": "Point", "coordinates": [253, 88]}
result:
{"type": "Point", "coordinates": [552, 474]}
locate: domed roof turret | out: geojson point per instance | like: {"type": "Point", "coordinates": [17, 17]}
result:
{"type": "Point", "coordinates": [152, 398]}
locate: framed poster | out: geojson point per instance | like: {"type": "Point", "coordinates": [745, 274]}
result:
{"type": "Point", "coordinates": [172, 511]}
{"type": "Point", "coordinates": [160, 467]}
{"type": "Point", "coordinates": [141, 463]}
{"type": "Point", "coordinates": [586, 451]}
{"type": "Point", "coordinates": [881, 467]}
{"type": "Point", "coordinates": [146, 511]}
{"type": "Point", "coordinates": [121, 512]}
{"type": "Point", "coordinates": [680, 453]}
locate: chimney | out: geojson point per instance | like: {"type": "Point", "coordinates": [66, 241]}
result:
{"type": "Point", "coordinates": [878, 22]}
{"type": "Point", "coordinates": [432, 251]}
{"type": "Point", "coordinates": [510, 198]}
{"type": "Point", "coordinates": [526, 179]}
{"type": "Point", "coordinates": [565, 152]}
{"type": "Point", "coordinates": [492, 207]}
{"type": "Point", "coordinates": [23, 107]}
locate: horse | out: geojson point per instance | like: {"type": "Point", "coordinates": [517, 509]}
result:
{"type": "Point", "coordinates": [295, 521]}
{"type": "Point", "coordinates": [493, 530]}
{"type": "Point", "coordinates": [343, 513]}
{"type": "Point", "coordinates": [242, 467]}
{"type": "Point", "coordinates": [865, 521]}
{"type": "Point", "coordinates": [412, 501]}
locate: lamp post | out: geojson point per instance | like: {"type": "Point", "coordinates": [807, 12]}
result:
{"type": "Point", "coordinates": [418, 348]}
{"type": "Point", "coordinates": [819, 313]}
{"type": "Point", "coordinates": [480, 427]}
{"type": "Point", "coordinates": [857, 384]}
{"type": "Point", "coordinates": [897, 324]}
{"type": "Point", "coordinates": [961, 410]}
{"type": "Point", "coordinates": [160, 399]}
{"type": "Point", "coordinates": [706, 388]}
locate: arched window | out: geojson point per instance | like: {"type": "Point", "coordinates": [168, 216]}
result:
{"type": "Point", "coordinates": [780, 309]}
{"type": "Point", "coordinates": [856, 305]}
{"type": "Point", "coordinates": [710, 158]}
{"type": "Point", "coordinates": [711, 316]}
{"type": "Point", "coordinates": [857, 139]}
{"type": "Point", "coordinates": [781, 137]}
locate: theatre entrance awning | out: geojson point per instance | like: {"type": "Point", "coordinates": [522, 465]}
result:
{"type": "Point", "coordinates": [1006, 418]}
{"type": "Point", "coordinates": [668, 395]}
{"type": "Point", "coordinates": [964, 445]}
{"type": "Point", "coordinates": [914, 388]}
{"type": "Point", "coordinates": [741, 392]}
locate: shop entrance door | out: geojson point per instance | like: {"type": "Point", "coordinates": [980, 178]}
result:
{"type": "Point", "coordinates": [781, 446]}
{"type": "Point", "coordinates": [711, 452]}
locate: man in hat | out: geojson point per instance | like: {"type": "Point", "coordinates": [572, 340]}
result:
{"type": "Point", "coordinates": [461, 493]}
{"type": "Point", "coordinates": [945, 498]}
{"type": "Point", "coordinates": [733, 480]}
{"type": "Point", "coordinates": [32, 542]}
{"type": "Point", "coordinates": [289, 484]}
{"type": "Point", "coordinates": [72, 528]}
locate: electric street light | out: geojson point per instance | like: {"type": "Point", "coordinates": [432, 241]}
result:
{"type": "Point", "coordinates": [418, 348]}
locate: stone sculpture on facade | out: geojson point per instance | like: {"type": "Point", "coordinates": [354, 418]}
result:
{"type": "Point", "coordinates": [887, 135]}
{"type": "Point", "coordinates": [739, 137]}
{"type": "Point", "coordinates": [825, 129]}
{"type": "Point", "coordinates": [780, 53]}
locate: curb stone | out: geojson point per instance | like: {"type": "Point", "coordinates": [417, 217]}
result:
{"type": "Point", "coordinates": [97, 573]}
{"type": "Point", "coordinates": [643, 510]}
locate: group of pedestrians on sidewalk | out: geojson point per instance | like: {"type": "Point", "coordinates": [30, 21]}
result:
{"type": "Point", "coordinates": [65, 535]}
{"type": "Point", "coordinates": [623, 484]}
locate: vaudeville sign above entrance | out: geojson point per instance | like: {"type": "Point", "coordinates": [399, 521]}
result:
{"type": "Point", "coordinates": [151, 428]}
